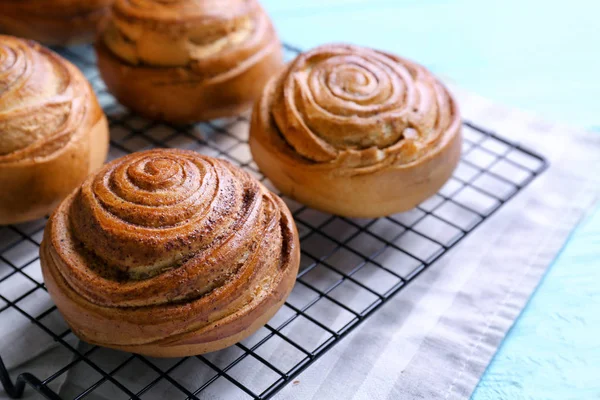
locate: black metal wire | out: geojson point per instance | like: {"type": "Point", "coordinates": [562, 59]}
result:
{"type": "Point", "coordinates": [15, 390]}
{"type": "Point", "coordinates": [316, 261]}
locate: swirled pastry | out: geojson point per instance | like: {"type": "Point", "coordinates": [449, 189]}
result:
{"type": "Point", "coordinates": [53, 22]}
{"type": "Point", "coordinates": [169, 253]}
{"type": "Point", "coordinates": [188, 60]}
{"type": "Point", "coordinates": [53, 133]}
{"type": "Point", "coordinates": [356, 132]}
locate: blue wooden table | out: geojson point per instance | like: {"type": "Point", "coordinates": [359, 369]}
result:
{"type": "Point", "coordinates": [539, 55]}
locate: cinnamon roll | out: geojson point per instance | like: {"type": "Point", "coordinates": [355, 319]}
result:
{"type": "Point", "coordinates": [188, 60]}
{"type": "Point", "coordinates": [53, 133]}
{"type": "Point", "coordinates": [356, 132]}
{"type": "Point", "coordinates": [169, 253]}
{"type": "Point", "coordinates": [53, 22]}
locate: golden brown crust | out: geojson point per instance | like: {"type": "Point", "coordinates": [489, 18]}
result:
{"type": "Point", "coordinates": [188, 60]}
{"type": "Point", "coordinates": [53, 22]}
{"type": "Point", "coordinates": [169, 253]}
{"type": "Point", "coordinates": [356, 132]}
{"type": "Point", "coordinates": [53, 131]}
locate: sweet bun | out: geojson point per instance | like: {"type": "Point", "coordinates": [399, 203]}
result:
{"type": "Point", "coordinates": [169, 253]}
{"type": "Point", "coordinates": [53, 22]}
{"type": "Point", "coordinates": [356, 132]}
{"type": "Point", "coordinates": [53, 133]}
{"type": "Point", "coordinates": [188, 60]}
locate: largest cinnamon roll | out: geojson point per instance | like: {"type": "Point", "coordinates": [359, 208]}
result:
{"type": "Point", "coordinates": [53, 133]}
{"type": "Point", "coordinates": [188, 60]}
{"type": "Point", "coordinates": [356, 132]}
{"type": "Point", "coordinates": [169, 253]}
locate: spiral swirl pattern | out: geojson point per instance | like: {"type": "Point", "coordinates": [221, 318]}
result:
{"type": "Point", "coordinates": [171, 242]}
{"type": "Point", "coordinates": [42, 100]}
{"type": "Point", "coordinates": [53, 132]}
{"type": "Point", "coordinates": [209, 36]}
{"type": "Point", "coordinates": [185, 61]}
{"type": "Point", "coordinates": [356, 132]}
{"type": "Point", "coordinates": [358, 107]}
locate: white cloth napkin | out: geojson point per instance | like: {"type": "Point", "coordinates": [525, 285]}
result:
{"type": "Point", "coordinates": [433, 340]}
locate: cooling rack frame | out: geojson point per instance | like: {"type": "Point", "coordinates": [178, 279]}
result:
{"type": "Point", "coordinates": [323, 236]}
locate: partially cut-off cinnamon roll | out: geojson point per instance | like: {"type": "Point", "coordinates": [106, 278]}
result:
{"type": "Point", "coordinates": [169, 253]}
{"type": "Point", "coordinates": [356, 132]}
{"type": "Point", "coordinates": [188, 60]}
{"type": "Point", "coordinates": [53, 22]}
{"type": "Point", "coordinates": [53, 133]}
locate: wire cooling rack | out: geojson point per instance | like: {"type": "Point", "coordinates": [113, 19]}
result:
{"type": "Point", "coordinates": [349, 268]}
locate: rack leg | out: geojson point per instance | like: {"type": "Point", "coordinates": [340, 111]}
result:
{"type": "Point", "coordinates": [15, 391]}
